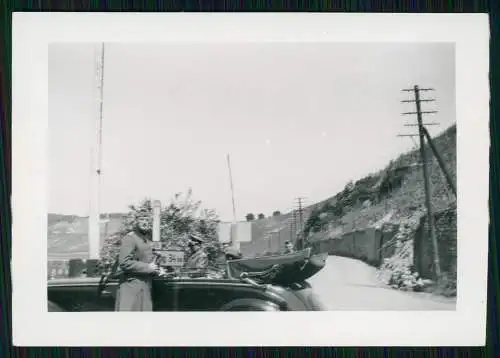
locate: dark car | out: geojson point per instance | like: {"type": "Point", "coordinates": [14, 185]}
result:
{"type": "Point", "coordinates": [261, 291]}
{"type": "Point", "coordinates": [82, 294]}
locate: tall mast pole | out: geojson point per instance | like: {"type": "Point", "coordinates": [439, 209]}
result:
{"type": "Point", "coordinates": [233, 227]}
{"type": "Point", "coordinates": [95, 187]}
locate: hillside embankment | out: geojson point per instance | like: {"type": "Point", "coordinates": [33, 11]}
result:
{"type": "Point", "coordinates": [381, 219]}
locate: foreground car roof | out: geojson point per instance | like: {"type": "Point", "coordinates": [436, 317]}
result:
{"type": "Point", "coordinates": [77, 281]}
{"type": "Point", "coordinates": [90, 281]}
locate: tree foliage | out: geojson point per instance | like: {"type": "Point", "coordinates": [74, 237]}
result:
{"type": "Point", "coordinates": [250, 217]}
{"type": "Point", "coordinates": [277, 213]}
{"type": "Point", "coordinates": [181, 216]}
{"type": "Point", "coordinates": [261, 216]}
{"type": "Point", "coordinates": [314, 222]}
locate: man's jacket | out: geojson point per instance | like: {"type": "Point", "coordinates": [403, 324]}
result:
{"type": "Point", "coordinates": [134, 292]}
{"type": "Point", "coordinates": [197, 260]}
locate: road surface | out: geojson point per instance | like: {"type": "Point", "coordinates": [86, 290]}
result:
{"type": "Point", "coordinates": [348, 284]}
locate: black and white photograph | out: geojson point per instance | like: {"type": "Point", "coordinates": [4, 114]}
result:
{"type": "Point", "coordinates": [249, 153]}
{"type": "Point", "coordinates": [280, 176]}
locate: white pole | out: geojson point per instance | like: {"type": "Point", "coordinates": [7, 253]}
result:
{"type": "Point", "coordinates": [233, 226]}
{"type": "Point", "coordinates": [95, 187]}
{"type": "Point", "coordinates": [156, 221]}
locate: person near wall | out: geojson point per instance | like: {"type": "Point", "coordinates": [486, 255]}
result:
{"type": "Point", "coordinates": [137, 267]}
{"type": "Point", "coordinates": [289, 247]}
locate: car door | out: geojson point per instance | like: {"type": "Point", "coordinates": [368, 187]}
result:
{"type": "Point", "coordinates": [81, 297]}
{"type": "Point", "coordinates": [198, 295]}
{"type": "Point", "coordinates": [164, 295]}
{"type": "Point", "coordinates": [212, 295]}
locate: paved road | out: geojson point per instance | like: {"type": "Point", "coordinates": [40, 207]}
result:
{"type": "Point", "coordinates": [347, 284]}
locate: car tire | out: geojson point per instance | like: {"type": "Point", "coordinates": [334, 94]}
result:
{"type": "Point", "coordinates": [250, 305]}
{"type": "Point", "coordinates": [246, 309]}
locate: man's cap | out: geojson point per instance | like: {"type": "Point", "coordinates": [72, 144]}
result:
{"type": "Point", "coordinates": [195, 239]}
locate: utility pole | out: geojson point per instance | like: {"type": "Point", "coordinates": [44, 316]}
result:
{"type": "Point", "coordinates": [300, 241]}
{"type": "Point", "coordinates": [293, 226]}
{"type": "Point", "coordinates": [234, 243]}
{"type": "Point", "coordinates": [430, 217]}
{"type": "Point", "coordinates": [301, 214]}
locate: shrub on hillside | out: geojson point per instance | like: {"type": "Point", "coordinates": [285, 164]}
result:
{"type": "Point", "coordinates": [398, 270]}
{"type": "Point", "coordinates": [314, 223]}
{"type": "Point", "coordinates": [448, 284]}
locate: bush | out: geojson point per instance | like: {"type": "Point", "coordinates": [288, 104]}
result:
{"type": "Point", "coordinates": [398, 271]}
{"type": "Point", "coordinates": [183, 215]}
{"type": "Point", "coordinates": [448, 285]}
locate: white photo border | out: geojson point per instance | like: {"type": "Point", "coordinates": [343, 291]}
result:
{"type": "Point", "coordinates": [34, 326]}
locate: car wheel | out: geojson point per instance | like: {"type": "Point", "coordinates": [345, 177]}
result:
{"type": "Point", "coordinates": [250, 305]}
{"type": "Point", "coordinates": [245, 309]}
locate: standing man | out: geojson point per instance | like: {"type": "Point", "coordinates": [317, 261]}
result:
{"type": "Point", "coordinates": [198, 258]}
{"type": "Point", "coordinates": [137, 267]}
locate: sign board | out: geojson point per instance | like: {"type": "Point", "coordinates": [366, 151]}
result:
{"type": "Point", "coordinates": [174, 258]}
{"type": "Point", "coordinates": [157, 245]}
{"type": "Point", "coordinates": [224, 232]}
{"type": "Point", "coordinates": [242, 230]}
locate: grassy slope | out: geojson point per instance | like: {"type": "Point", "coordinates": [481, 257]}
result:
{"type": "Point", "coordinates": [402, 197]}
{"type": "Point", "coordinates": [67, 234]}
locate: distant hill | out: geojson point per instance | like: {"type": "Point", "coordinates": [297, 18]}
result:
{"type": "Point", "coordinates": [390, 194]}
{"type": "Point", "coordinates": [68, 234]}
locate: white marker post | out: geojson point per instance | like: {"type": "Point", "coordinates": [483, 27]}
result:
{"type": "Point", "coordinates": [156, 224]}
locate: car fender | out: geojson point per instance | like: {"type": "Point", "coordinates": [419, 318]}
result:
{"type": "Point", "coordinates": [250, 304]}
{"type": "Point", "coordinates": [52, 307]}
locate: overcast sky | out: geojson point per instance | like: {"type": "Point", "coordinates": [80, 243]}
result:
{"type": "Point", "coordinates": [297, 119]}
